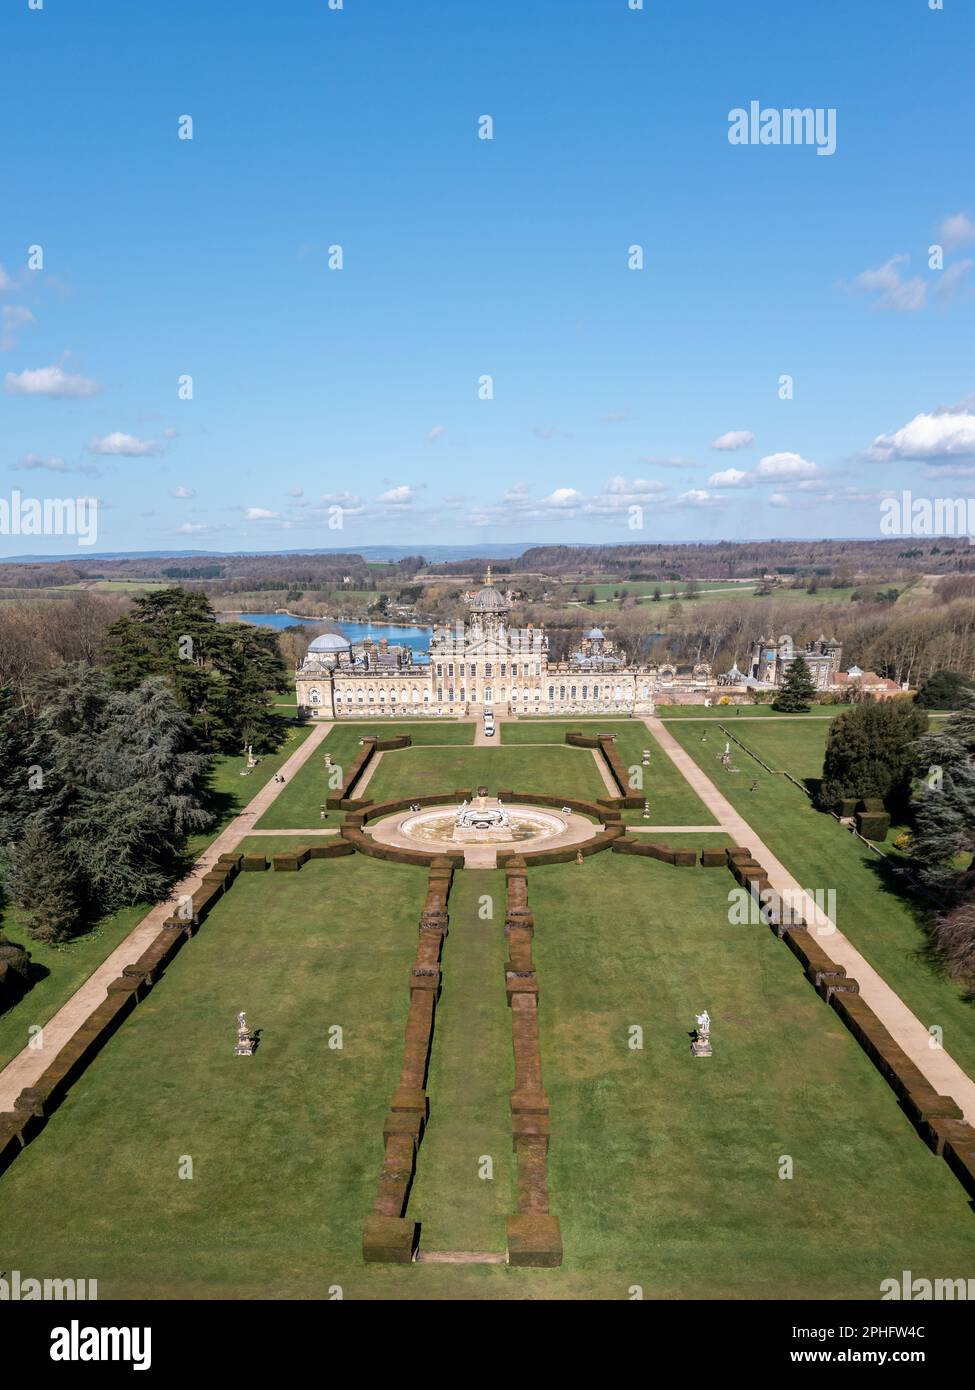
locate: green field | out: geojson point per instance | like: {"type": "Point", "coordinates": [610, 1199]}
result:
{"type": "Point", "coordinates": [299, 803]}
{"type": "Point", "coordinates": [661, 1165]}
{"type": "Point", "coordinates": [748, 711]}
{"type": "Point", "coordinates": [883, 925]}
{"type": "Point", "coordinates": [560, 771]}
{"type": "Point", "coordinates": [70, 964]}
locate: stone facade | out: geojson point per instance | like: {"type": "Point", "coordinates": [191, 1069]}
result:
{"type": "Point", "coordinates": [485, 663]}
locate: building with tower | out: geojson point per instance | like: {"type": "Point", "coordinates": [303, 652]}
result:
{"type": "Point", "coordinates": [483, 662]}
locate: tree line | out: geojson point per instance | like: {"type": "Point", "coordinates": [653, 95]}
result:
{"type": "Point", "coordinates": [105, 756]}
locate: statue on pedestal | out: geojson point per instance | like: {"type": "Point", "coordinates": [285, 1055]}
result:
{"type": "Point", "coordinates": [701, 1046]}
{"type": "Point", "coordinates": [245, 1038]}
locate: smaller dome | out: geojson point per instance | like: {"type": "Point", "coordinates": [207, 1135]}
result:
{"type": "Point", "coordinates": [330, 642]}
{"type": "Point", "coordinates": [595, 634]}
{"type": "Point", "coordinates": [489, 599]}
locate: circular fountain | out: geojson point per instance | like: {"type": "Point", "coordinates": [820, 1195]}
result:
{"type": "Point", "coordinates": [482, 821]}
{"type": "Point", "coordinates": [481, 826]}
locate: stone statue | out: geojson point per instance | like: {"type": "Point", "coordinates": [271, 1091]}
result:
{"type": "Point", "coordinates": [245, 1039]}
{"type": "Point", "coordinates": [701, 1046]}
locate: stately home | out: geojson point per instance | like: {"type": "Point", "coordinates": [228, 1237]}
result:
{"type": "Point", "coordinates": [485, 663]}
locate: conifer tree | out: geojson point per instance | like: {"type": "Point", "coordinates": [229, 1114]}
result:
{"type": "Point", "coordinates": [797, 689]}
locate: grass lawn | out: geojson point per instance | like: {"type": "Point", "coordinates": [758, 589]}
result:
{"type": "Point", "coordinates": [816, 712]}
{"type": "Point", "coordinates": [286, 1146]}
{"type": "Point", "coordinates": [300, 801]}
{"type": "Point", "coordinates": [561, 771]}
{"type": "Point", "coordinates": [67, 967]}
{"type": "Point", "coordinates": [663, 1165]}
{"type": "Point", "coordinates": [527, 731]}
{"type": "Point", "coordinates": [70, 964]}
{"type": "Point", "coordinates": [794, 746]}
{"type": "Point", "coordinates": [788, 746]}
{"type": "Point", "coordinates": [672, 802]}
{"type": "Point", "coordinates": [877, 918]}
{"type": "Point", "coordinates": [471, 1072]}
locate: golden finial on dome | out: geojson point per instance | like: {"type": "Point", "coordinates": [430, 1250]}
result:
{"type": "Point", "coordinates": [487, 577]}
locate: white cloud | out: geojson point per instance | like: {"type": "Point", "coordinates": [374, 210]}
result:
{"type": "Point", "coordinates": [123, 446]}
{"type": "Point", "coordinates": [564, 497]}
{"type": "Point", "coordinates": [786, 465]}
{"type": "Point", "coordinates": [697, 497]}
{"type": "Point", "coordinates": [49, 381]}
{"type": "Point", "coordinates": [4, 278]}
{"type": "Point", "coordinates": [734, 439]}
{"type": "Point", "coordinates": [183, 492]}
{"type": "Point", "coordinates": [54, 464]}
{"type": "Point", "coordinates": [943, 434]}
{"type": "Point", "coordinates": [296, 492]}
{"type": "Point", "coordinates": [730, 477]}
{"type": "Point", "coordinates": [618, 486]}
{"type": "Point", "coordinates": [957, 230]}
{"type": "Point", "coordinates": [170, 433]}
{"type": "Point", "coordinates": [399, 496]}
{"type": "Point", "coordinates": [436, 433]}
{"type": "Point", "coordinates": [949, 282]}
{"type": "Point", "coordinates": [13, 317]}
{"type": "Point", "coordinates": [892, 289]}
{"type": "Point", "coordinates": [950, 470]}
{"type": "Point", "coordinates": [260, 514]}
{"type": "Point", "coordinates": [613, 418]}
{"type": "Point", "coordinates": [190, 528]}
{"type": "Point", "coordinates": [340, 498]}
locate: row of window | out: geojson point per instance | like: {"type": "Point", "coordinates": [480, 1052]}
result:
{"type": "Point", "coordinates": [488, 669]}
{"type": "Point", "coordinates": [404, 696]}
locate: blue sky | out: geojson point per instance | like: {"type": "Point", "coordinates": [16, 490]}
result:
{"type": "Point", "coordinates": [358, 388]}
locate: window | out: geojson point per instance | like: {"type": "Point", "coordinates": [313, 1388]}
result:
{"type": "Point", "coordinates": [439, 668]}
{"type": "Point", "coordinates": [487, 669]}
{"type": "Point", "coordinates": [439, 694]}
{"type": "Point", "coordinates": [561, 692]}
{"type": "Point", "coordinates": [585, 692]}
{"type": "Point", "coordinates": [502, 672]}
{"type": "Point", "coordinates": [315, 697]}
{"type": "Point", "coordinates": [450, 669]}
{"type": "Point", "coordinates": [573, 693]}
{"type": "Point", "coordinates": [551, 692]}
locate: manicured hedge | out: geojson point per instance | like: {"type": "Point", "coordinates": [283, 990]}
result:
{"type": "Point", "coordinates": [873, 825]}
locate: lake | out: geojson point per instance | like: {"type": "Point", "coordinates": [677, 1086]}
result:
{"type": "Point", "coordinates": [416, 638]}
